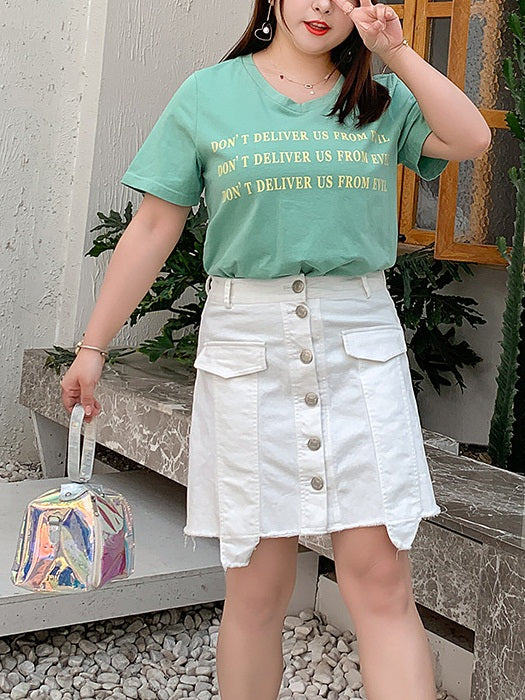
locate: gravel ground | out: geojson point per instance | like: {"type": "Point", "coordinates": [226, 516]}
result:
{"type": "Point", "coordinates": [165, 655]}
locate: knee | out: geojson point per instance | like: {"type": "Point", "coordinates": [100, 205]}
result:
{"type": "Point", "coordinates": [257, 608]}
{"type": "Point", "coordinates": [382, 588]}
{"type": "Point", "coordinates": [258, 604]}
{"type": "Point", "coordinates": [257, 595]}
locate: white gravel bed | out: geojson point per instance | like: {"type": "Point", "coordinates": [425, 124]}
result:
{"type": "Point", "coordinates": [166, 655]}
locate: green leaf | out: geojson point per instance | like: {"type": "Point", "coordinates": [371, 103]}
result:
{"type": "Point", "coordinates": [515, 125]}
{"type": "Point", "coordinates": [515, 25]}
{"type": "Point", "coordinates": [508, 72]}
{"type": "Point", "coordinates": [501, 244]}
{"type": "Point", "coordinates": [514, 176]}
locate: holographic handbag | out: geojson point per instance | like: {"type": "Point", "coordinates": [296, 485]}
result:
{"type": "Point", "coordinates": [77, 537]}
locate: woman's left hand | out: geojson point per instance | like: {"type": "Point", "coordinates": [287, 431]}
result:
{"type": "Point", "coordinates": [378, 25]}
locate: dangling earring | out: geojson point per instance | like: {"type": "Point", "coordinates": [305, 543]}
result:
{"type": "Point", "coordinates": [264, 32]}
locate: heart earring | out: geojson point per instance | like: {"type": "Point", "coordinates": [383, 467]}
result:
{"type": "Point", "coordinates": [264, 32]}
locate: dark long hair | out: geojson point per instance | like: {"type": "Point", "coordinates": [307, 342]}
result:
{"type": "Point", "coordinates": [351, 57]}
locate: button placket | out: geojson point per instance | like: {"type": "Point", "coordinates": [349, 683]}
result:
{"type": "Point", "coordinates": [305, 387]}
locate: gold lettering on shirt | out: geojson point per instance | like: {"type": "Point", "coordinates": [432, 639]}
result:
{"type": "Point", "coordinates": [222, 144]}
{"type": "Point", "coordinates": [352, 156]}
{"type": "Point", "coordinates": [276, 158]}
{"type": "Point", "coordinates": [378, 138]}
{"type": "Point", "coordinates": [280, 136]}
{"type": "Point", "coordinates": [379, 184]}
{"type": "Point", "coordinates": [380, 158]}
{"type": "Point", "coordinates": [230, 161]}
{"type": "Point", "coordinates": [355, 182]}
{"type": "Point", "coordinates": [349, 136]}
{"type": "Point", "coordinates": [274, 184]}
{"type": "Point", "coordinates": [231, 193]}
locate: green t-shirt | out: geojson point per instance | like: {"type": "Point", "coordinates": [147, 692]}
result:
{"type": "Point", "coordinates": [288, 190]}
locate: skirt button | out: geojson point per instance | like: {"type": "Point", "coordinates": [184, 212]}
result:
{"type": "Point", "coordinates": [314, 443]}
{"type": "Point", "coordinates": [298, 285]}
{"type": "Point", "coordinates": [311, 399]}
{"type": "Point", "coordinates": [306, 356]}
{"type": "Point", "coordinates": [317, 483]}
{"type": "Point", "coordinates": [301, 311]}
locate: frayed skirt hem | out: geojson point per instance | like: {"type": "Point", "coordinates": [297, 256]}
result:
{"type": "Point", "coordinates": [304, 533]}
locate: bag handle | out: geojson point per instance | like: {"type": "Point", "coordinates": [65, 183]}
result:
{"type": "Point", "coordinates": [77, 471]}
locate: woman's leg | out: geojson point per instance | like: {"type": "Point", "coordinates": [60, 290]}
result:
{"type": "Point", "coordinates": [395, 656]}
{"type": "Point", "coordinates": [249, 654]}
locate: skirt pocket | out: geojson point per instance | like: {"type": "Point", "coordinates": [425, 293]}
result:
{"type": "Point", "coordinates": [381, 364]}
{"type": "Point", "coordinates": [231, 358]}
{"type": "Point", "coordinates": [227, 402]}
{"type": "Point", "coordinates": [378, 344]}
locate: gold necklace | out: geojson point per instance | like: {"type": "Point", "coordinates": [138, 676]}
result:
{"type": "Point", "coordinates": [308, 86]}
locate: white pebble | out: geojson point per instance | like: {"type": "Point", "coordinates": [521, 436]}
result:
{"type": "Point", "coordinates": [20, 691]}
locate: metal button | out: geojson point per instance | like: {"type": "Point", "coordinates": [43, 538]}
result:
{"type": "Point", "coordinates": [306, 356]}
{"type": "Point", "coordinates": [311, 399]}
{"type": "Point", "coordinates": [317, 483]}
{"type": "Point", "coordinates": [298, 285]}
{"type": "Point", "coordinates": [314, 443]}
{"type": "Point", "coordinates": [301, 311]}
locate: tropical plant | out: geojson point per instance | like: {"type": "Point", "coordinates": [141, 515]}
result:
{"type": "Point", "coordinates": [504, 415]}
{"type": "Point", "coordinates": [182, 270]}
{"type": "Point", "coordinates": [413, 283]}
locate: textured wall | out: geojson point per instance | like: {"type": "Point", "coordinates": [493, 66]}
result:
{"type": "Point", "coordinates": [42, 54]}
{"type": "Point", "coordinates": [82, 83]}
{"type": "Point", "coordinates": [150, 48]}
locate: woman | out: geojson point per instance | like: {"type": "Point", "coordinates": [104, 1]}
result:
{"type": "Point", "coordinates": [304, 419]}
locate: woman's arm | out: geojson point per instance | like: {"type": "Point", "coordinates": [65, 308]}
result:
{"type": "Point", "coordinates": [459, 131]}
{"type": "Point", "coordinates": [134, 265]}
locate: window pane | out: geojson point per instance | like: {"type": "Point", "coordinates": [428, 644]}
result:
{"type": "Point", "coordinates": [486, 197]}
{"type": "Point", "coordinates": [427, 199]}
{"type": "Point", "coordinates": [489, 42]}
{"type": "Point", "coordinates": [439, 41]}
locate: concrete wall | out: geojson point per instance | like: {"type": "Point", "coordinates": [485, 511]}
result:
{"type": "Point", "coordinates": [83, 84]}
{"type": "Point", "coordinates": [466, 416]}
{"type": "Point", "coordinates": [43, 58]}
{"type": "Point", "coordinates": [149, 49]}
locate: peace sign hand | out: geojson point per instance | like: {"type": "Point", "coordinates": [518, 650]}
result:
{"type": "Point", "coordinates": [378, 25]}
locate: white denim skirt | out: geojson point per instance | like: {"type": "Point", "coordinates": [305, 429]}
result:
{"type": "Point", "coordinates": [304, 419]}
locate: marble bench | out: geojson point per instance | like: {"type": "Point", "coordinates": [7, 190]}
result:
{"type": "Point", "coordinates": [468, 563]}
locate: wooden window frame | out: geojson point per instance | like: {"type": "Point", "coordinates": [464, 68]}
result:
{"type": "Point", "coordinates": [417, 16]}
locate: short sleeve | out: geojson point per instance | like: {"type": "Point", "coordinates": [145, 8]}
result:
{"type": "Point", "coordinates": [414, 131]}
{"type": "Point", "coordinates": [167, 164]}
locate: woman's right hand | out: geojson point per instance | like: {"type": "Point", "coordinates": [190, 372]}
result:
{"type": "Point", "coordinates": [79, 382]}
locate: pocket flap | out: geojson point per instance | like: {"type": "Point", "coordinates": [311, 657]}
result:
{"type": "Point", "coordinates": [229, 358]}
{"type": "Point", "coordinates": [378, 344]}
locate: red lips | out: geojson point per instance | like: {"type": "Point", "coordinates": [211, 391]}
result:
{"type": "Point", "coordinates": [322, 27]}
